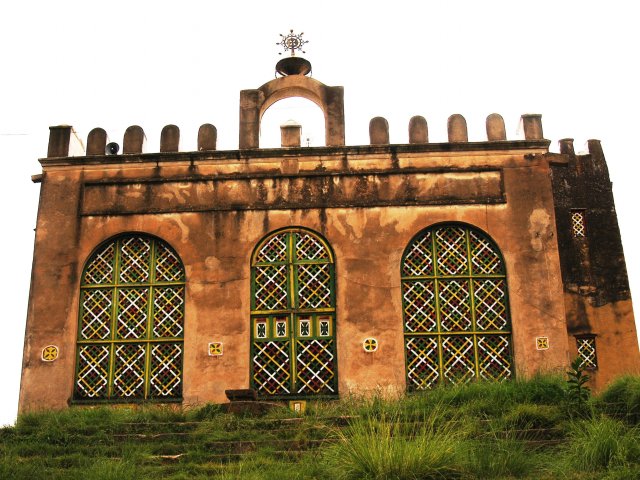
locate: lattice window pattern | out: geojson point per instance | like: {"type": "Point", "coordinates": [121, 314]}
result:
{"type": "Point", "coordinates": [578, 225]}
{"type": "Point", "coordinates": [423, 364]}
{"type": "Point", "coordinates": [418, 261]}
{"type": "Point", "coordinates": [485, 258]}
{"type": "Point", "coordinates": [293, 285]}
{"type": "Point", "coordinates": [420, 311]}
{"type": "Point", "coordinates": [165, 370]}
{"type": "Point", "coordinates": [314, 285]}
{"type": "Point", "coordinates": [271, 287]}
{"type": "Point", "coordinates": [455, 308]}
{"type": "Point", "coordinates": [310, 247]}
{"type": "Point", "coordinates": [451, 251]}
{"type": "Point", "coordinates": [131, 322]}
{"type": "Point", "coordinates": [92, 376]}
{"type": "Point", "coordinates": [274, 250]}
{"type": "Point", "coordinates": [490, 304]}
{"type": "Point", "coordinates": [168, 311]}
{"type": "Point", "coordinates": [100, 270]}
{"type": "Point", "coordinates": [168, 265]}
{"type": "Point", "coordinates": [455, 305]}
{"type": "Point", "coordinates": [587, 352]}
{"type": "Point", "coordinates": [494, 357]}
{"type": "Point", "coordinates": [272, 367]}
{"type": "Point", "coordinates": [132, 312]}
{"type": "Point", "coordinates": [315, 366]}
{"type": "Point", "coordinates": [134, 260]}
{"type": "Point", "coordinates": [458, 362]}
{"type": "Point", "coordinates": [129, 370]}
{"type": "Point", "coordinates": [95, 316]}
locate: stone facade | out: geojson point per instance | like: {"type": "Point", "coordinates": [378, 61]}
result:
{"type": "Point", "coordinates": [367, 204]}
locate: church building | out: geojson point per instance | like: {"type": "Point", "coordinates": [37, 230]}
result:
{"type": "Point", "coordinates": [319, 272]}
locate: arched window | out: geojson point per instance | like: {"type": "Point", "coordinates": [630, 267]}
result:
{"type": "Point", "coordinates": [131, 325]}
{"type": "Point", "coordinates": [455, 308]}
{"type": "Point", "coordinates": [293, 346]}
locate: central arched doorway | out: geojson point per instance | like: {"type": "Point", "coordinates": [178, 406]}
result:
{"type": "Point", "coordinates": [293, 327]}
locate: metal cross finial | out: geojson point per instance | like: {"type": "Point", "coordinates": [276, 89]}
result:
{"type": "Point", "coordinates": [292, 42]}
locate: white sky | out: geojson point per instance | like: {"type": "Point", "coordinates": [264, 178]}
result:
{"type": "Point", "coordinates": [114, 64]}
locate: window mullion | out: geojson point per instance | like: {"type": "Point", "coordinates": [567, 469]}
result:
{"type": "Point", "coordinates": [293, 352]}
{"type": "Point", "coordinates": [472, 304]}
{"type": "Point", "coordinates": [150, 313]}
{"type": "Point", "coordinates": [114, 317]}
{"type": "Point", "coordinates": [436, 291]}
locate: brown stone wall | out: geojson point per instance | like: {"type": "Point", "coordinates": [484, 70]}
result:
{"type": "Point", "coordinates": [53, 295]}
{"type": "Point", "coordinates": [368, 202]}
{"type": "Point", "coordinates": [597, 296]}
{"type": "Point", "coordinates": [614, 329]}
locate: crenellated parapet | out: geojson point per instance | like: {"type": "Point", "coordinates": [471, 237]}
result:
{"type": "Point", "coordinates": [531, 126]}
{"type": "Point", "coordinates": [63, 140]}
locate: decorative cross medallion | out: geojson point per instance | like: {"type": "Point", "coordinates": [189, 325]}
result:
{"type": "Point", "coordinates": [370, 345]}
{"type": "Point", "coordinates": [50, 353]}
{"type": "Point", "coordinates": [542, 343]}
{"type": "Point", "coordinates": [215, 349]}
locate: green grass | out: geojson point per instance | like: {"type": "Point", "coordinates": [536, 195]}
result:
{"type": "Point", "coordinates": [603, 442]}
{"type": "Point", "coordinates": [500, 457]}
{"type": "Point", "coordinates": [622, 399]}
{"type": "Point", "coordinates": [382, 446]}
{"type": "Point", "coordinates": [520, 429]}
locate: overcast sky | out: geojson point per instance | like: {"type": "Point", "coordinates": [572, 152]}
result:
{"type": "Point", "coordinates": [114, 64]}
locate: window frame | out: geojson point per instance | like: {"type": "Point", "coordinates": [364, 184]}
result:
{"type": "Point", "coordinates": [152, 342]}
{"type": "Point", "coordinates": [590, 338]}
{"type": "Point", "coordinates": [295, 310]}
{"type": "Point", "coordinates": [432, 279]}
{"type": "Point", "coordinates": [580, 233]}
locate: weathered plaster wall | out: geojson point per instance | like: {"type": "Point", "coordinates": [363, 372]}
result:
{"type": "Point", "coordinates": [597, 296]}
{"type": "Point", "coordinates": [368, 202]}
{"type": "Point", "coordinates": [616, 342]}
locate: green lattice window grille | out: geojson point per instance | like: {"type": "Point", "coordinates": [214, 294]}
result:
{"type": "Point", "coordinates": [293, 346]}
{"type": "Point", "coordinates": [131, 322]}
{"type": "Point", "coordinates": [455, 308]}
{"type": "Point", "coordinates": [587, 352]}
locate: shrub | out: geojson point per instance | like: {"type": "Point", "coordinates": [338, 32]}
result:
{"type": "Point", "coordinates": [382, 448]}
{"type": "Point", "coordinates": [622, 399]}
{"type": "Point", "coordinates": [603, 442]}
{"type": "Point", "coordinates": [539, 389]}
{"type": "Point", "coordinates": [500, 458]}
{"type": "Point", "coordinates": [577, 380]}
{"type": "Point", "coordinates": [577, 404]}
{"type": "Point", "coordinates": [527, 416]}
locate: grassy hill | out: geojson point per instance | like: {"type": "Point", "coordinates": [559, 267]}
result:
{"type": "Point", "coordinates": [523, 429]}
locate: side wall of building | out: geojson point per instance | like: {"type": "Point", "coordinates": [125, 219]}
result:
{"type": "Point", "coordinates": [596, 289]}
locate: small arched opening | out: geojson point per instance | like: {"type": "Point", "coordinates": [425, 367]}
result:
{"type": "Point", "coordinates": [303, 111]}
